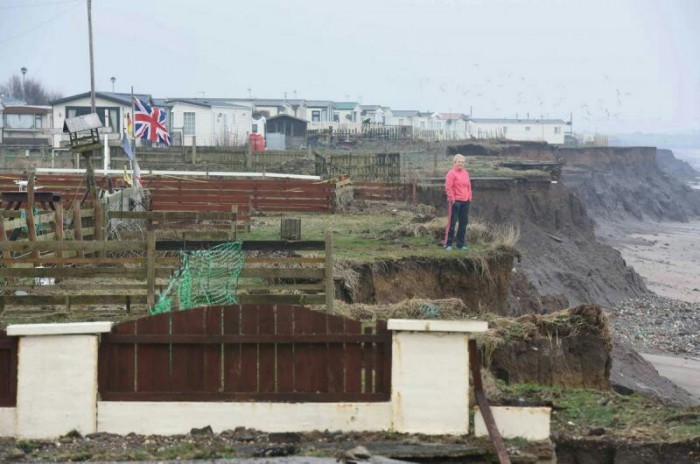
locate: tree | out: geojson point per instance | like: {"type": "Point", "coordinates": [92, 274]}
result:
{"type": "Point", "coordinates": [31, 90]}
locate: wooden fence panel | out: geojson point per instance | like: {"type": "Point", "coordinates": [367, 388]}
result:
{"type": "Point", "coordinates": [8, 370]}
{"type": "Point", "coordinates": [271, 353]}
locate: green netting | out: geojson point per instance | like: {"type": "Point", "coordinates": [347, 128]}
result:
{"type": "Point", "coordinates": [205, 278]}
{"type": "Point", "coordinates": [37, 224]}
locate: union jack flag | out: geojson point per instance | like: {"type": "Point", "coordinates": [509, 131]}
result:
{"type": "Point", "coordinates": [149, 123]}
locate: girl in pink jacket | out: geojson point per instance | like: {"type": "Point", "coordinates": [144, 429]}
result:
{"type": "Point", "coordinates": [458, 187]}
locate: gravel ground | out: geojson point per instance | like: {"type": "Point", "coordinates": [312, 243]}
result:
{"type": "Point", "coordinates": [655, 324]}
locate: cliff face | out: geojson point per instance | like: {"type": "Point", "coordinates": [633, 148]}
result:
{"type": "Point", "coordinates": [674, 167]}
{"type": "Point", "coordinates": [626, 182]}
{"type": "Point", "coordinates": [478, 284]}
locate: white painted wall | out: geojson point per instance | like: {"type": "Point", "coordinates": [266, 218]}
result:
{"type": "Point", "coordinates": [7, 422]}
{"type": "Point", "coordinates": [59, 116]}
{"type": "Point", "coordinates": [203, 126]}
{"type": "Point", "coordinates": [530, 423]}
{"type": "Point", "coordinates": [178, 418]}
{"type": "Point", "coordinates": [231, 125]}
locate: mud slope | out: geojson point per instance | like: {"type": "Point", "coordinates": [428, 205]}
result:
{"type": "Point", "coordinates": [674, 167]}
{"type": "Point", "coordinates": [562, 262]}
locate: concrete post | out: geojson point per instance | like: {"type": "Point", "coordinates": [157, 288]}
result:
{"type": "Point", "coordinates": [56, 378]}
{"type": "Point", "coordinates": [430, 375]}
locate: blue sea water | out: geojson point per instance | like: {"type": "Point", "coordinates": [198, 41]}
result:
{"type": "Point", "coordinates": [692, 157]}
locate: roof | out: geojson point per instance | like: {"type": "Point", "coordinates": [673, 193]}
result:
{"type": "Point", "coordinates": [121, 98]}
{"type": "Point", "coordinates": [405, 113]}
{"type": "Point", "coordinates": [265, 101]}
{"type": "Point", "coordinates": [517, 121]}
{"type": "Point", "coordinates": [26, 109]}
{"type": "Point", "coordinates": [324, 103]}
{"type": "Point", "coordinates": [189, 101]}
{"type": "Point", "coordinates": [346, 105]}
{"type": "Point", "coordinates": [451, 116]}
{"type": "Point", "coordinates": [286, 116]}
{"type": "Point", "coordinates": [370, 107]}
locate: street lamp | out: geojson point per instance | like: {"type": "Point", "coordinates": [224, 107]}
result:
{"type": "Point", "coordinates": [113, 79]}
{"type": "Point", "coordinates": [24, 72]}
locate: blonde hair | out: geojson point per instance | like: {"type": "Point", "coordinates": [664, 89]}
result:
{"type": "Point", "coordinates": [458, 157]}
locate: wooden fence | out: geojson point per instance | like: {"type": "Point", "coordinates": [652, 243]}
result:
{"type": "Point", "coordinates": [219, 194]}
{"type": "Point", "coordinates": [90, 272]}
{"type": "Point", "coordinates": [245, 353]}
{"type": "Point", "coordinates": [8, 369]}
{"type": "Point", "coordinates": [361, 166]}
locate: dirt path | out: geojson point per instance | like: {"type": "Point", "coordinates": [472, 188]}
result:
{"type": "Point", "coordinates": [665, 254]}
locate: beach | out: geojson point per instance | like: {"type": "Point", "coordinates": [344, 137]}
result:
{"type": "Point", "coordinates": [665, 254]}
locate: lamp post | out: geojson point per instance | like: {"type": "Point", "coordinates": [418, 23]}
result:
{"type": "Point", "coordinates": [113, 79]}
{"type": "Point", "coordinates": [24, 93]}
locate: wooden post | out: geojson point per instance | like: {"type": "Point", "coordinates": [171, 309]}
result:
{"type": "Point", "coordinates": [330, 285]}
{"type": "Point", "coordinates": [194, 150]}
{"type": "Point", "coordinates": [31, 223]}
{"type": "Point", "coordinates": [151, 267]}
{"type": "Point", "coordinates": [59, 226]}
{"type": "Point", "coordinates": [77, 225]}
{"type": "Point", "coordinates": [6, 254]}
{"type": "Point", "coordinates": [234, 222]}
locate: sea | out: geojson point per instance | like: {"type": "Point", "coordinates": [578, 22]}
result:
{"type": "Point", "coordinates": [692, 157]}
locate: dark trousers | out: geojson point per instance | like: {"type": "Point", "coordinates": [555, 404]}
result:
{"type": "Point", "coordinates": [459, 213]}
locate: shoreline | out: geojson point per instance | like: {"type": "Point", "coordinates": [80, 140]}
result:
{"type": "Point", "coordinates": [665, 254]}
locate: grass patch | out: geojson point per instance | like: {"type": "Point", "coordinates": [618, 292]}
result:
{"type": "Point", "coordinates": [577, 411]}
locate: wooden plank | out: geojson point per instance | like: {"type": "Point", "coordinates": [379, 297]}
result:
{"type": "Point", "coordinates": [249, 352]}
{"type": "Point", "coordinates": [232, 352]}
{"type": "Point", "coordinates": [162, 216]}
{"type": "Point", "coordinates": [303, 355]}
{"type": "Point", "coordinates": [76, 245]}
{"type": "Point", "coordinates": [59, 227]}
{"type": "Point", "coordinates": [336, 356]}
{"type": "Point", "coordinates": [383, 359]}
{"type": "Point", "coordinates": [74, 261]}
{"type": "Point", "coordinates": [77, 228]}
{"type": "Point", "coordinates": [117, 362]}
{"type": "Point", "coordinates": [353, 357]}
{"type": "Point", "coordinates": [319, 353]}
{"type": "Point", "coordinates": [285, 351]}
{"type": "Point", "coordinates": [213, 374]}
{"type": "Point", "coordinates": [291, 397]}
{"type": "Point", "coordinates": [266, 351]}
{"type": "Point", "coordinates": [153, 361]}
{"type": "Point", "coordinates": [70, 272]}
{"type": "Point", "coordinates": [61, 299]}
{"type": "Point", "coordinates": [259, 245]}
{"type": "Point", "coordinates": [281, 273]}
{"type": "Point", "coordinates": [234, 339]}
{"type": "Point", "coordinates": [151, 267]}
{"type": "Point", "coordinates": [368, 364]}
{"type": "Point", "coordinates": [188, 359]}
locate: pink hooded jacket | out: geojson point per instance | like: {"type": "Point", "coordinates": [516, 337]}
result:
{"type": "Point", "coordinates": [458, 186]}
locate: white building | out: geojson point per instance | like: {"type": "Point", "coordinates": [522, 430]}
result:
{"type": "Point", "coordinates": [454, 125]}
{"type": "Point", "coordinates": [23, 124]}
{"type": "Point", "coordinates": [536, 130]}
{"type": "Point", "coordinates": [213, 123]}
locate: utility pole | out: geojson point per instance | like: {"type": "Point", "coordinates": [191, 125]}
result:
{"type": "Point", "coordinates": [92, 62]}
{"type": "Point", "coordinates": [24, 93]}
{"type": "Point", "coordinates": [92, 188]}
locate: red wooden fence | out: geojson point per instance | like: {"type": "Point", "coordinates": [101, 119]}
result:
{"type": "Point", "coordinates": [244, 353]}
{"type": "Point", "coordinates": [8, 370]}
{"type": "Point", "coordinates": [202, 194]}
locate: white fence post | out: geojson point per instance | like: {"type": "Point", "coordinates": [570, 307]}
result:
{"type": "Point", "coordinates": [56, 378]}
{"type": "Point", "coordinates": [430, 375]}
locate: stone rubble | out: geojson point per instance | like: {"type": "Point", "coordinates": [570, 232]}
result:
{"type": "Point", "coordinates": [655, 324]}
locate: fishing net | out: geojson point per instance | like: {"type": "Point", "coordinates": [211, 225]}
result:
{"type": "Point", "coordinates": [205, 278]}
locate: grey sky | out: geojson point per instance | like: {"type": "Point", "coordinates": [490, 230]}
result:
{"type": "Point", "coordinates": [617, 65]}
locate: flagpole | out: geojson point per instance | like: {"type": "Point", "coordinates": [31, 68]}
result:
{"type": "Point", "coordinates": [132, 140]}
